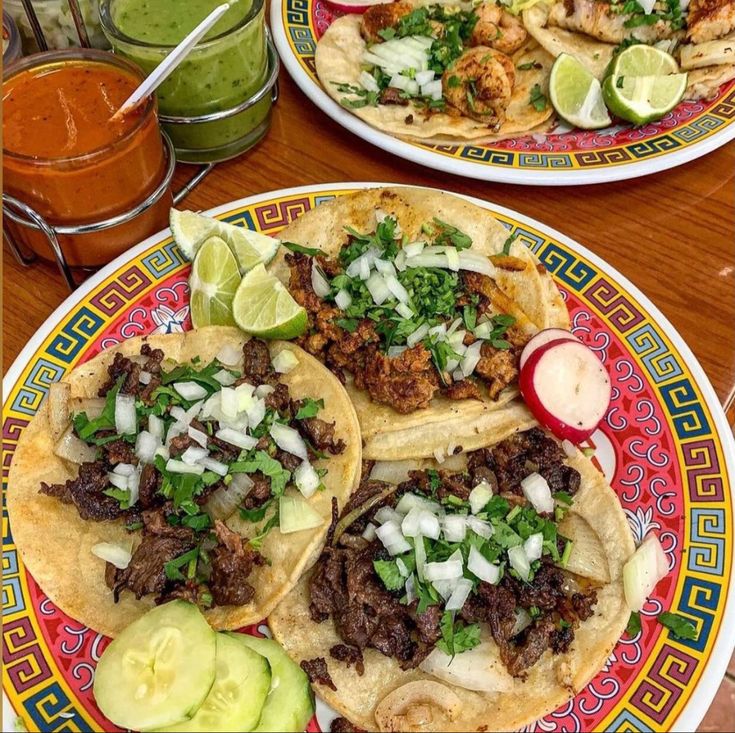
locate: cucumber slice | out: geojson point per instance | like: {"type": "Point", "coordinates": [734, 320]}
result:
{"type": "Point", "coordinates": [241, 684]}
{"type": "Point", "coordinates": [296, 514]}
{"type": "Point", "coordinates": [290, 702]}
{"type": "Point", "coordinates": [146, 679]}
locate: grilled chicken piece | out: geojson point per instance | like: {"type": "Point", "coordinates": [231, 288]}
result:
{"type": "Point", "coordinates": [599, 20]}
{"type": "Point", "coordinates": [710, 19]}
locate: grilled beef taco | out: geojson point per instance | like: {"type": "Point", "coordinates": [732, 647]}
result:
{"type": "Point", "coordinates": [476, 597]}
{"type": "Point", "coordinates": [421, 303]}
{"type": "Point", "coordinates": [437, 73]}
{"type": "Point", "coordinates": [200, 466]}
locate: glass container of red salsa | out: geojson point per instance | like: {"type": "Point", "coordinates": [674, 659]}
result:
{"type": "Point", "coordinates": [66, 159]}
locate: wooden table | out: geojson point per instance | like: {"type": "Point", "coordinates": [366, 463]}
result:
{"type": "Point", "coordinates": [672, 234]}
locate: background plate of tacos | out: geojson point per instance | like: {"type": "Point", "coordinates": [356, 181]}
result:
{"type": "Point", "coordinates": [516, 136]}
{"type": "Point", "coordinates": [664, 448]}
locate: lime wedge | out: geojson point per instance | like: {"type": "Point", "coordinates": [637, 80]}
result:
{"type": "Point", "coordinates": [642, 60]}
{"type": "Point", "coordinates": [642, 99]}
{"type": "Point", "coordinates": [190, 230]}
{"type": "Point", "coordinates": [213, 283]}
{"type": "Point", "coordinates": [264, 307]}
{"type": "Point", "coordinates": [576, 94]}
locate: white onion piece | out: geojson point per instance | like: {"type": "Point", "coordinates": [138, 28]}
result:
{"type": "Point", "coordinates": [459, 595]}
{"type": "Point", "coordinates": [445, 588]}
{"type": "Point", "coordinates": [404, 310]}
{"type": "Point", "coordinates": [643, 571]}
{"type": "Point", "coordinates": [201, 437]}
{"type": "Point", "coordinates": [256, 413]}
{"type": "Point", "coordinates": [368, 82]}
{"type": "Point", "coordinates": [394, 472]}
{"type": "Point", "coordinates": [409, 501]}
{"type": "Point", "coordinates": [225, 378]}
{"type": "Point", "coordinates": [474, 262]}
{"type": "Point", "coordinates": [384, 267]}
{"type": "Point", "coordinates": [124, 469]}
{"type": "Point", "coordinates": [421, 522]}
{"type": "Point", "coordinates": [146, 445]}
{"type": "Point", "coordinates": [394, 351]}
{"type": "Point", "coordinates": [439, 331]}
{"type": "Point", "coordinates": [427, 259]}
{"type": "Point", "coordinates": [402, 569]}
{"type": "Point", "coordinates": [568, 448]}
{"type": "Point", "coordinates": [419, 551]}
{"type": "Point", "coordinates": [126, 421]}
{"type": "Point", "coordinates": [413, 249]}
{"type": "Point", "coordinates": [215, 466]}
{"type": "Point", "coordinates": [480, 566]}
{"type": "Point", "coordinates": [536, 490]}
{"type": "Point", "coordinates": [175, 466]}
{"type": "Point", "coordinates": [439, 455]}
{"type": "Point", "coordinates": [145, 377]}
{"type": "Point", "coordinates": [229, 402]}
{"type": "Point", "coordinates": [413, 338]}
{"type": "Point", "coordinates": [229, 355]}
{"type": "Point", "coordinates": [289, 440]}
{"type": "Point", "coordinates": [534, 546]}
{"type": "Point", "coordinates": [193, 455]}
{"type": "Point", "coordinates": [478, 669]}
{"type": "Point", "coordinates": [400, 261]}
{"type": "Point", "coordinates": [519, 562]}
{"type": "Point", "coordinates": [119, 482]}
{"type": "Point", "coordinates": [454, 527]}
{"type": "Point", "coordinates": [306, 479]}
{"type": "Point", "coordinates": [223, 502]}
{"type": "Point", "coordinates": [480, 496]}
{"type": "Point", "coordinates": [410, 590]}
{"type": "Point", "coordinates": [390, 535]}
{"type": "Point", "coordinates": [284, 362]}
{"type": "Point", "coordinates": [647, 5]}
{"type": "Point", "coordinates": [523, 620]}
{"type": "Point", "coordinates": [343, 300]}
{"type": "Point", "coordinates": [318, 282]}
{"type": "Point", "coordinates": [452, 258]}
{"type": "Point", "coordinates": [236, 438]}
{"type": "Point", "coordinates": [471, 358]}
{"type": "Point", "coordinates": [388, 514]}
{"type": "Point", "coordinates": [446, 570]}
{"type": "Point", "coordinates": [480, 527]}
{"type": "Point", "coordinates": [114, 554]}
{"type": "Point", "coordinates": [190, 390]}
{"type": "Point", "coordinates": [133, 487]}
{"type": "Point", "coordinates": [378, 288]}
{"type": "Point", "coordinates": [263, 390]}
{"type": "Point", "coordinates": [424, 77]}
{"type": "Point", "coordinates": [396, 288]}
{"type": "Point", "coordinates": [369, 532]}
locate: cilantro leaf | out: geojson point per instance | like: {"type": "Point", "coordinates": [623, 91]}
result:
{"type": "Point", "coordinates": [122, 496]}
{"type": "Point", "coordinates": [86, 428]}
{"type": "Point", "coordinates": [172, 567]}
{"type": "Point", "coordinates": [634, 624]}
{"type": "Point", "coordinates": [388, 572]}
{"type": "Point", "coordinates": [679, 626]}
{"type": "Point", "coordinates": [538, 98]}
{"type": "Point", "coordinates": [309, 408]}
{"type": "Point", "coordinates": [311, 251]}
{"type": "Point", "coordinates": [268, 466]}
{"type": "Point", "coordinates": [456, 637]}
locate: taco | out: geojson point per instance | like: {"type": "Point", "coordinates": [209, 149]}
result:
{"type": "Point", "coordinates": [421, 303]}
{"type": "Point", "coordinates": [469, 73]}
{"type": "Point", "coordinates": [159, 470]}
{"type": "Point", "coordinates": [474, 598]}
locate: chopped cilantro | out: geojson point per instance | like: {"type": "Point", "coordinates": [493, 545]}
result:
{"type": "Point", "coordinates": [679, 626]}
{"type": "Point", "coordinates": [309, 408]}
{"type": "Point", "coordinates": [387, 33]}
{"type": "Point", "coordinates": [122, 496]}
{"type": "Point", "coordinates": [388, 572]}
{"type": "Point", "coordinates": [508, 242]}
{"type": "Point", "coordinates": [450, 235]}
{"type": "Point", "coordinates": [86, 428]}
{"type": "Point", "coordinates": [634, 624]}
{"type": "Point", "coordinates": [453, 82]}
{"type": "Point", "coordinates": [172, 567]}
{"type": "Point", "coordinates": [268, 466]}
{"type": "Point", "coordinates": [538, 98]}
{"type": "Point", "coordinates": [563, 497]}
{"type": "Point", "coordinates": [311, 251]}
{"type": "Point", "coordinates": [456, 637]}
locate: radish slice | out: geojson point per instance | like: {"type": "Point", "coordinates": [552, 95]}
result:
{"type": "Point", "coordinates": [356, 6]}
{"type": "Point", "coordinates": [567, 388]}
{"type": "Point", "coordinates": [642, 572]}
{"type": "Point", "coordinates": [541, 339]}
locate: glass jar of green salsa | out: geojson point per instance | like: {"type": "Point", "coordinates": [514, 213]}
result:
{"type": "Point", "coordinates": [204, 103]}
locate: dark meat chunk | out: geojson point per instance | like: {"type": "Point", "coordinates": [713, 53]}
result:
{"type": "Point", "coordinates": [427, 624]}
{"type": "Point", "coordinates": [260, 492]}
{"type": "Point", "coordinates": [120, 451]}
{"type": "Point", "coordinates": [465, 389]}
{"type": "Point", "coordinates": [257, 367]}
{"type": "Point", "coordinates": [544, 591]}
{"type": "Point", "coordinates": [327, 585]}
{"type": "Point", "coordinates": [152, 365]}
{"type": "Point", "coordinates": [449, 484]}
{"type": "Point", "coordinates": [320, 434]}
{"type": "Point", "coordinates": [155, 522]}
{"type": "Point", "coordinates": [150, 483]}
{"type": "Point", "coordinates": [317, 672]}
{"type": "Point", "coordinates": [300, 284]}
{"type": "Point", "coordinates": [391, 95]}
{"type": "Point", "coordinates": [562, 639]}
{"type": "Point", "coordinates": [393, 638]}
{"type": "Point", "coordinates": [122, 366]}
{"type": "Point", "coordinates": [232, 562]}
{"type": "Point", "coordinates": [180, 443]}
{"type": "Point", "coordinates": [498, 368]}
{"type": "Point", "coordinates": [537, 639]}
{"type": "Point", "coordinates": [349, 655]}
{"type": "Point", "coordinates": [188, 592]}
{"type": "Point", "coordinates": [280, 400]}
{"type": "Point", "coordinates": [342, 725]}
{"type": "Point", "coordinates": [583, 603]}
{"type": "Point", "coordinates": [86, 493]}
{"type": "Point", "coordinates": [288, 460]}
{"type": "Point", "coordinates": [146, 574]}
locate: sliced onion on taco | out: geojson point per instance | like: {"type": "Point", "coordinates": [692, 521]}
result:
{"type": "Point", "coordinates": [479, 597]}
{"type": "Point", "coordinates": [201, 466]}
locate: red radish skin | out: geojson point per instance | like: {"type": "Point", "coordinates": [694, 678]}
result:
{"type": "Point", "coordinates": [567, 388]}
{"type": "Point", "coordinates": [358, 7]}
{"type": "Point", "coordinates": [542, 338]}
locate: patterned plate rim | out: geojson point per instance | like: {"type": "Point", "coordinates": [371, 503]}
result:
{"type": "Point", "coordinates": [485, 170]}
{"type": "Point", "coordinates": [700, 699]}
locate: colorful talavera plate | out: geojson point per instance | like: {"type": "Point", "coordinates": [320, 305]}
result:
{"type": "Point", "coordinates": [665, 447]}
{"type": "Point", "coordinates": [578, 157]}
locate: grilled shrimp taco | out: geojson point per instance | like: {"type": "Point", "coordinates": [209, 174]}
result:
{"type": "Point", "coordinates": [200, 466]}
{"type": "Point", "coordinates": [421, 303]}
{"type": "Point", "coordinates": [437, 73]}
{"type": "Point", "coordinates": [479, 596]}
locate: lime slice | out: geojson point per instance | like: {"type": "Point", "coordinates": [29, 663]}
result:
{"type": "Point", "coordinates": [190, 231]}
{"type": "Point", "coordinates": [642, 99]}
{"type": "Point", "coordinates": [264, 307]}
{"type": "Point", "coordinates": [576, 94]}
{"type": "Point", "coordinates": [213, 283]}
{"type": "Point", "coordinates": [642, 60]}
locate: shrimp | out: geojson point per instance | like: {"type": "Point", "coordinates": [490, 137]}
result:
{"type": "Point", "coordinates": [479, 84]}
{"type": "Point", "coordinates": [497, 28]}
{"type": "Point", "coordinates": [379, 17]}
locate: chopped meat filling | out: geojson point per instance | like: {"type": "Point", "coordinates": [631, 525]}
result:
{"type": "Point", "coordinates": [317, 672]}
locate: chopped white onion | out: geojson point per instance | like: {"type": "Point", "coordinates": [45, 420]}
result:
{"type": "Point", "coordinates": [439, 455]}
{"type": "Point", "coordinates": [414, 248]}
{"type": "Point", "coordinates": [452, 258]}
{"type": "Point", "coordinates": [384, 267]}
{"type": "Point", "coordinates": [394, 472]}
{"type": "Point", "coordinates": [190, 390]}
{"type": "Point", "coordinates": [114, 554]}
{"type": "Point", "coordinates": [419, 551]}
{"type": "Point", "coordinates": [343, 300]}
{"type": "Point", "coordinates": [523, 620]}
{"type": "Point", "coordinates": [519, 561]}
{"type": "Point", "coordinates": [175, 466]}
{"type": "Point", "coordinates": [402, 569]}
{"type": "Point", "coordinates": [289, 440]}
{"type": "Point", "coordinates": [454, 527]}
{"type": "Point", "coordinates": [534, 546]}
{"type": "Point", "coordinates": [424, 77]}
{"type": "Point", "coordinates": [480, 527]}
{"type": "Point", "coordinates": [410, 590]}
{"type": "Point", "coordinates": [446, 570]}
{"type": "Point", "coordinates": [568, 448]}
{"type": "Point", "coordinates": [369, 532]}
{"type": "Point", "coordinates": [536, 490]}
{"type": "Point", "coordinates": [119, 482]}
{"type": "Point", "coordinates": [390, 535]}
{"type": "Point", "coordinates": [396, 288]}
{"type": "Point", "coordinates": [433, 89]}
{"type": "Point", "coordinates": [155, 427]}
{"type": "Point", "coordinates": [306, 479]}
{"type": "Point", "coordinates": [409, 501]}
{"type": "Point", "coordinates": [229, 355]}
{"type": "Point", "coordinates": [480, 496]}
{"type": "Point", "coordinates": [319, 283]}
{"type": "Point", "coordinates": [146, 445]}
{"type": "Point", "coordinates": [215, 466]}
{"type": "Point", "coordinates": [404, 84]}
{"type": "Point", "coordinates": [368, 82]}
{"type": "Point", "coordinates": [263, 390]}
{"type": "Point", "coordinates": [133, 487]}
{"type": "Point", "coordinates": [236, 438]}
{"type": "Point", "coordinates": [364, 267]}
{"type": "Point", "coordinates": [647, 5]}
{"type": "Point", "coordinates": [225, 378]}
{"type": "Point", "coordinates": [480, 566]}
{"type": "Point", "coordinates": [223, 502]}
{"type": "Point", "coordinates": [193, 455]}
{"type": "Point", "coordinates": [459, 595]}
{"type": "Point", "coordinates": [124, 469]}
{"type": "Point", "coordinates": [404, 310]}
{"type": "Point", "coordinates": [126, 422]}
{"type": "Point", "coordinates": [474, 262]}
{"type": "Point", "coordinates": [471, 358]}
{"type": "Point", "coordinates": [378, 288]}
{"type": "Point", "coordinates": [284, 362]}
{"type": "Point", "coordinates": [201, 437]}
{"type": "Point", "coordinates": [413, 338]}
{"type": "Point", "coordinates": [445, 588]}
{"type": "Point", "coordinates": [388, 514]}
{"type": "Point", "coordinates": [394, 351]}
{"type": "Point", "coordinates": [643, 570]}
{"type": "Point", "coordinates": [229, 402]}
{"type": "Point", "coordinates": [421, 522]}
{"type": "Point", "coordinates": [145, 377]}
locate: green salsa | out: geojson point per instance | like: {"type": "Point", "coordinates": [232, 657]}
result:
{"type": "Point", "coordinates": [227, 67]}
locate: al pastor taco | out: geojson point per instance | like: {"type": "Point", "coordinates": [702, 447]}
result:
{"type": "Point", "coordinates": [421, 303]}
{"type": "Point", "coordinates": [199, 466]}
{"type": "Point", "coordinates": [479, 596]}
